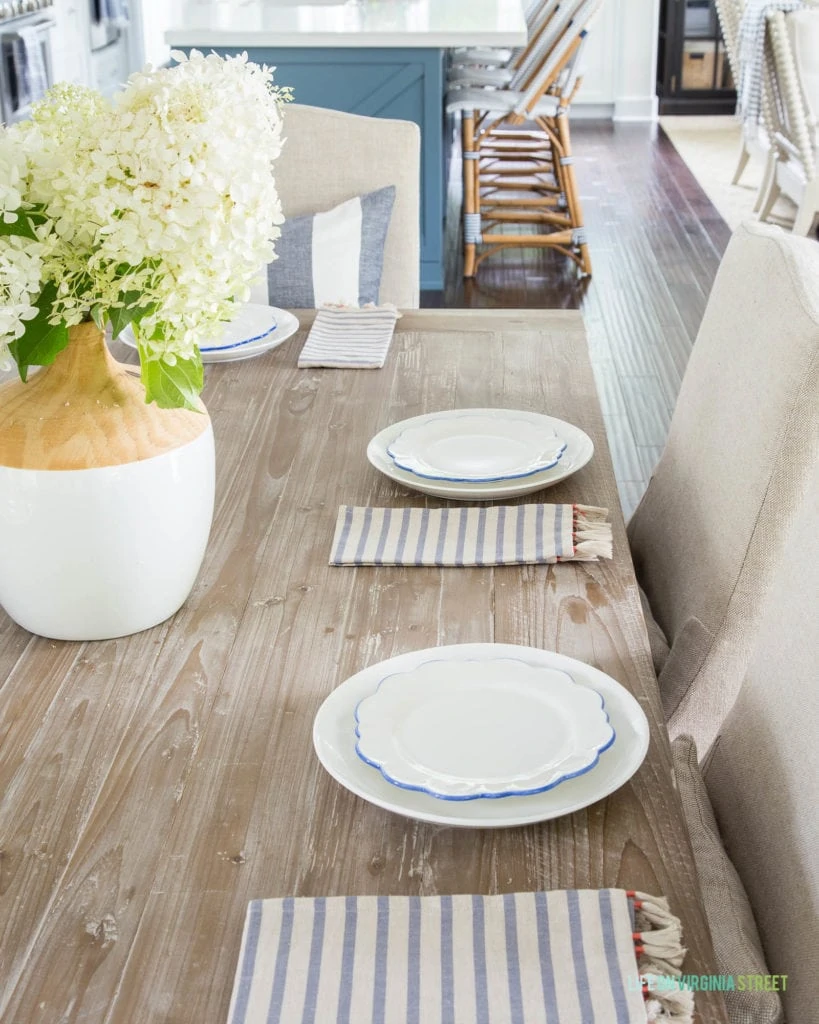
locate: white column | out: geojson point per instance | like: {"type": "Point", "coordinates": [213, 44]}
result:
{"type": "Point", "coordinates": [635, 74]}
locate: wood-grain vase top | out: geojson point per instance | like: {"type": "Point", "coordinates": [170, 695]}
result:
{"type": "Point", "coordinates": [86, 411]}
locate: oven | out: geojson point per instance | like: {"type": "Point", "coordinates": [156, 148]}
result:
{"type": "Point", "coordinates": [26, 64]}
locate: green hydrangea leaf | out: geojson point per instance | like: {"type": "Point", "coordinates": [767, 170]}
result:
{"type": "Point", "coordinates": [41, 340]}
{"type": "Point", "coordinates": [173, 387]}
{"type": "Point", "coordinates": [130, 312]}
{"type": "Point", "coordinates": [26, 221]}
{"type": "Point", "coordinates": [22, 226]}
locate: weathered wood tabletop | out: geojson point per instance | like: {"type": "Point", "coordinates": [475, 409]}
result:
{"type": "Point", "coordinates": [152, 785]}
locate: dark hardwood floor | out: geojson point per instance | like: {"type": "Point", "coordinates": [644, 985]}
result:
{"type": "Point", "coordinates": [656, 241]}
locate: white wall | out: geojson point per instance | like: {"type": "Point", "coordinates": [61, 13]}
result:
{"type": "Point", "coordinates": [620, 62]}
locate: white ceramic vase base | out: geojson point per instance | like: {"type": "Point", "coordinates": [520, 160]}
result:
{"type": "Point", "coordinates": [93, 554]}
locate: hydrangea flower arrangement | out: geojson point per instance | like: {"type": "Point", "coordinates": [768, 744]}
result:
{"type": "Point", "coordinates": [156, 209]}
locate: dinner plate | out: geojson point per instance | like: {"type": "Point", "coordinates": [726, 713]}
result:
{"type": "Point", "coordinates": [477, 447]}
{"type": "Point", "coordinates": [334, 740]}
{"type": "Point", "coordinates": [475, 730]}
{"type": "Point", "coordinates": [255, 329]}
{"type": "Point", "coordinates": [579, 449]}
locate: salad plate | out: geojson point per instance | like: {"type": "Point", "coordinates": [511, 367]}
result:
{"type": "Point", "coordinates": [481, 729]}
{"type": "Point", "coordinates": [334, 740]}
{"type": "Point", "coordinates": [253, 330]}
{"type": "Point", "coordinates": [579, 450]}
{"type": "Point", "coordinates": [477, 446]}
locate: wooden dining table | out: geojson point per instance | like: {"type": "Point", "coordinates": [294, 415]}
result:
{"type": "Point", "coordinates": [153, 785]}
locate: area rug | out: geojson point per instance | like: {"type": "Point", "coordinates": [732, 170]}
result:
{"type": "Point", "coordinates": [710, 148]}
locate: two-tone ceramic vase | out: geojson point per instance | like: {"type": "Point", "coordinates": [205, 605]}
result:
{"type": "Point", "coordinates": [106, 502]}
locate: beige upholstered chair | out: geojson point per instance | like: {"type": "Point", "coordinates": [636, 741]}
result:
{"type": "Point", "coordinates": [331, 156]}
{"type": "Point", "coordinates": [762, 780]}
{"type": "Point", "coordinates": [743, 444]}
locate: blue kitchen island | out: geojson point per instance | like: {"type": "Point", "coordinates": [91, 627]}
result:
{"type": "Point", "coordinates": [382, 58]}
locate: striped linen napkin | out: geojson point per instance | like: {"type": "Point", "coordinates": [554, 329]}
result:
{"type": "Point", "coordinates": [494, 535]}
{"type": "Point", "coordinates": [350, 338]}
{"type": "Point", "coordinates": [560, 957]}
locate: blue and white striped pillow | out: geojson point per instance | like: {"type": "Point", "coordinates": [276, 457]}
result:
{"type": "Point", "coordinates": [332, 257]}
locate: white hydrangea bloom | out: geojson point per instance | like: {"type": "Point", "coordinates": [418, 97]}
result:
{"type": "Point", "coordinates": [20, 258]}
{"type": "Point", "coordinates": [20, 283]}
{"type": "Point", "coordinates": [167, 193]}
{"type": "Point", "coordinates": [12, 176]}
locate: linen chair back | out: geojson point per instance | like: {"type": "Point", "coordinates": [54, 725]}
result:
{"type": "Point", "coordinates": [743, 444]}
{"type": "Point", "coordinates": [763, 775]}
{"type": "Point", "coordinates": [803, 36]}
{"type": "Point", "coordinates": [729, 13]}
{"type": "Point", "coordinates": [330, 156]}
{"type": "Point", "coordinates": [793, 42]}
{"type": "Point", "coordinates": [793, 130]}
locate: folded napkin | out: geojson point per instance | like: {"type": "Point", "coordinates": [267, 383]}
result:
{"type": "Point", "coordinates": [494, 535]}
{"type": "Point", "coordinates": [562, 957]}
{"type": "Point", "coordinates": [350, 338]}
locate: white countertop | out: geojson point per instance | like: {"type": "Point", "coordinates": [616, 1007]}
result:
{"type": "Point", "coordinates": [358, 23]}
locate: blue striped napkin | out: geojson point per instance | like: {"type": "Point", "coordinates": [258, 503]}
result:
{"type": "Point", "coordinates": [560, 957]}
{"type": "Point", "coordinates": [350, 338]}
{"type": "Point", "coordinates": [494, 535]}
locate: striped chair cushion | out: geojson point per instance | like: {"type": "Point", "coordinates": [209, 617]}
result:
{"type": "Point", "coordinates": [335, 257]}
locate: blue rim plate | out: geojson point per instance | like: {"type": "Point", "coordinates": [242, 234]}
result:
{"type": "Point", "coordinates": [481, 730]}
{"type": "Point", "coordinates": [477, 446]}
{"type": "Point", "coordinates": [252, 322]}
{"type": "Point", "coordinates": [579, 450]}
{"type": "Point", "coordinates": [254, 329]}
{"type": "Point", "coordinates": [334, 742]}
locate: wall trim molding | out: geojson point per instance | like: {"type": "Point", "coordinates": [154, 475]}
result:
{"type": "Point", "coordinates": [592, 111]}
{"type": "Point", "coordinates": [636, 108]}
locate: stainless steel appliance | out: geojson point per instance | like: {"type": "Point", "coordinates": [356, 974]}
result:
{"type": "Point", "coordinates": [33, 21]}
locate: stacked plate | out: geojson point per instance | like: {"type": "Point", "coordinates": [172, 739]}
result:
{"type": "Point", "coordinates": [470, 454]}
{"type": "Point", "coordinates": [253, 330]}
{"type": "Point", "coordinates": [481, 735]}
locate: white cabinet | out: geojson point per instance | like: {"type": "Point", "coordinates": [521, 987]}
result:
{"type": "Point", "coordinates": [620, 62]}
{"type": "Point", "coordinates": [110, 60]}
{"type": "Point", "coordinates": [597, 63]}
{"type": "Point", "coordinates": [70, 46]}
{"type": "Point", "coordinates": [100, 55]}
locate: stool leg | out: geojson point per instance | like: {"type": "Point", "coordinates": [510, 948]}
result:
{"type": "Point", "coordinates": [570, 188]}
{"type": "Point", "coordinates": [470, 170]}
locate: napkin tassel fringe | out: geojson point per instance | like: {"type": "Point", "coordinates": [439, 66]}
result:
{"type": "Point", "coordinates": [592, 534]}
{"type": "Point", "coordinates": [660, 955]}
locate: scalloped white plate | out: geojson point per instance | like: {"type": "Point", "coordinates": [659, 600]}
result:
{"type": "Point", "coordinates": [579, 450]}
{"type": "Point", "coordinates": [334, 740]}
{"type": "Point", "coordinates": [255, 329]}
{"type": "Point", "coordinates": [468, 446]}
{"type": "Point", "coordinates": [481, 729]}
